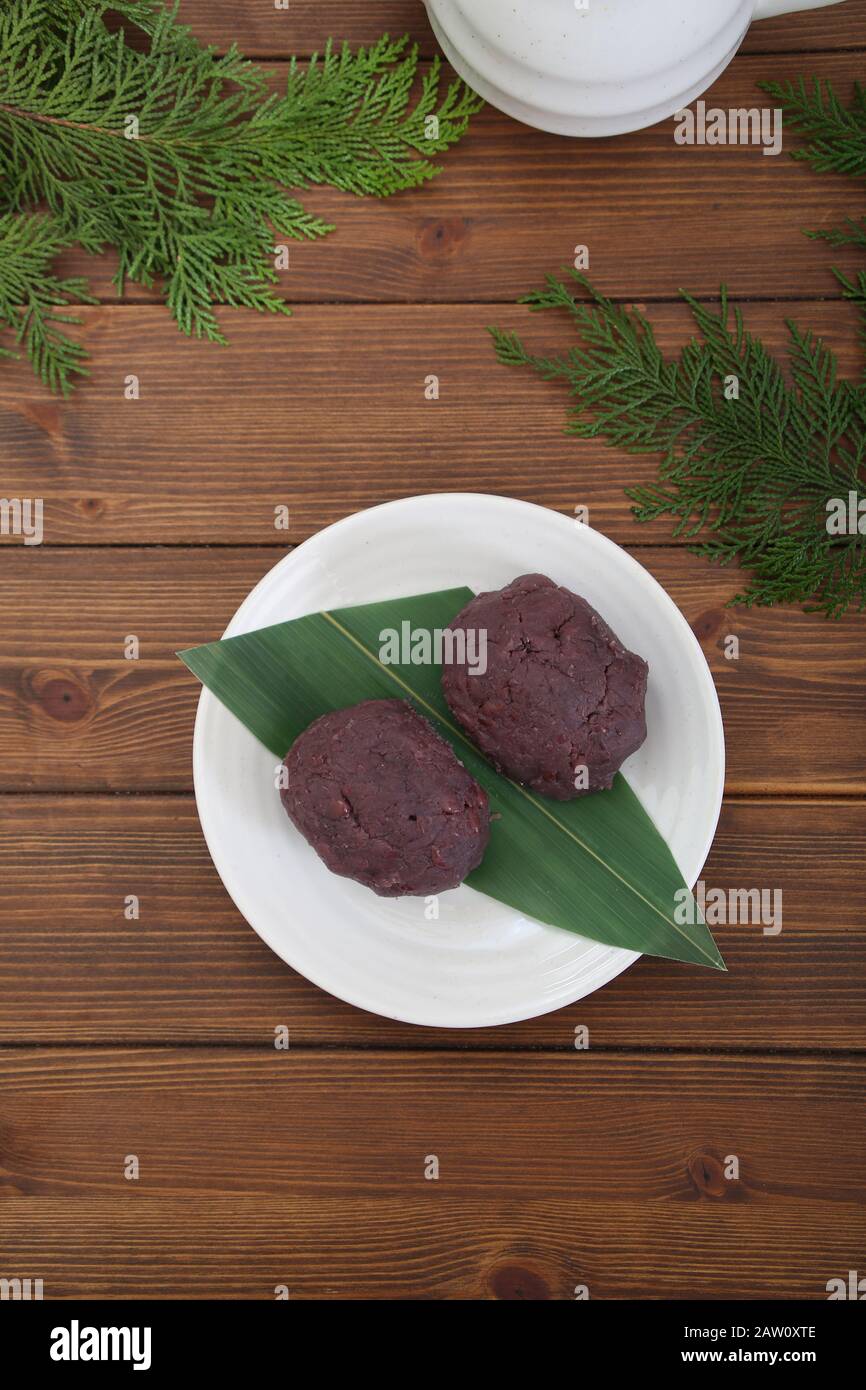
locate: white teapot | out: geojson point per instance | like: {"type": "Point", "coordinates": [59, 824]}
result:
{"type": "Point", "coordinates": [595, 67]}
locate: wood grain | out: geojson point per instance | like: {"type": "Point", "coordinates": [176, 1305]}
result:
{"type": "Point", "coordinates": [420, 1246]}
{"type": "Point", "coordinates": [154, 1036]}
{"type": "Point", "coordinates": [326, 413]}
{"type": "Point", "coordinates": [260, 29]}
{"type": "Point", "coordinates": [74, 969]}
{"type": "Point", "coordinates": [76, 714]}
{"type": "Point", "coordinates": [258, 1168]}
{"type": "Point", "coordinates": [512, 203]}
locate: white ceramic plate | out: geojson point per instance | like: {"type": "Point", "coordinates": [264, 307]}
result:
{"type": "Point", "coordinates": [481, 963]}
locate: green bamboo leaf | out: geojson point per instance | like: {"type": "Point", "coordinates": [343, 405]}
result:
{"type": "Point", "coordinates": [596, 866]}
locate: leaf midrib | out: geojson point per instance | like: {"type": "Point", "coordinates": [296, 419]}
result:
{"type": "Point", "coordinates": [387, 671]}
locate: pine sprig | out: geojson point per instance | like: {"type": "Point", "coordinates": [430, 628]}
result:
{"type": "Point", "coordinates": [184, 161]}
{"type": "Point", "coordinates": [750, 471]}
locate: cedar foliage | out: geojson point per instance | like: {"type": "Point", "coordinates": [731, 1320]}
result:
{"type": "Point", "coordinates": [751, 473]}
{"type": "Point", "coordinates": [752, 478]}
{"type": "Point", "coordinates": [183, 160]}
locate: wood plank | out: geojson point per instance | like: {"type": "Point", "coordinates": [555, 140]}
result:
{"type": "Point", "coordinates": [512, 203]}
{"type": "Point", "coordinates": [324, 412]}
{"type": "Point", "coordinates": [262, 30]}
{"type": "Point", "coordinates": [73, 969]}
{"type": "Point", "coordinates": [514, 1121]}
{"type": "Point", "coordinates": [420, 1246]}
{"type": "Point", "coordinates": [75, 714]}
{"type": "Point", "coordinates": [839, 26]}
{"type": "Point", "coordinates": [313, 1176]}
{"type": "Point", "coordinates": [258, 1169]}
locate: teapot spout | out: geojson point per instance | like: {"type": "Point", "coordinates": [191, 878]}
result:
{"type": "Point", "coordinates": [765, 9]}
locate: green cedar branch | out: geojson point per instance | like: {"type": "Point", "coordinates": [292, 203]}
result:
{"type": "Point", "coordinates": [835, 134]}
{"type": "Point", "coordinates": [185, 161]}
{"type": "Point", "coordinates": [750, 476]}
{"type": "Point", "coordinates": [835, 137]}
{"type": "Point", "coordinates": [31, 299]}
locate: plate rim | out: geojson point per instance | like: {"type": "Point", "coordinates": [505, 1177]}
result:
{"type": "Point", "coordinates": [623, 958]}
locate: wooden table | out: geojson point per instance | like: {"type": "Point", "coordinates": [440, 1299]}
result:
{"type": "Point", "coordinates": [155, 1037]}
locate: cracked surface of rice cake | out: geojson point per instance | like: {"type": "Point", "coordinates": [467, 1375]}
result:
{"type": "Point", "coordinates": [384, 800]}
{"type": "Point", "coordinates": [560, 692]}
